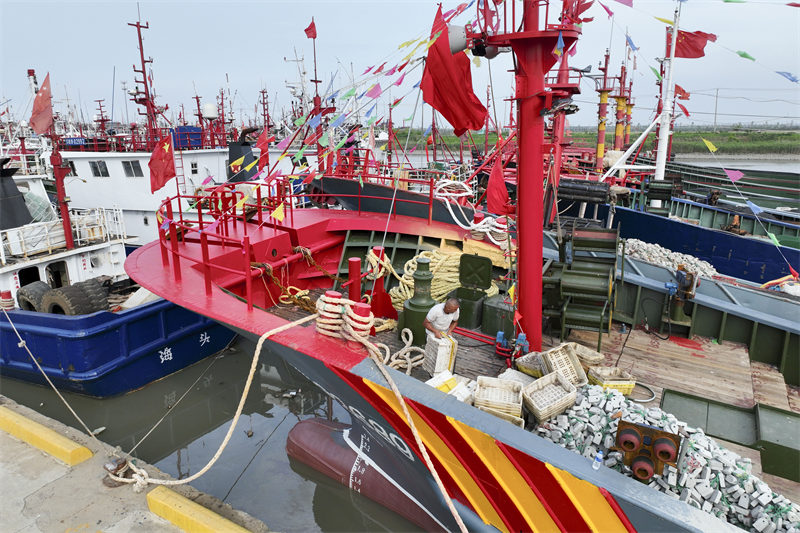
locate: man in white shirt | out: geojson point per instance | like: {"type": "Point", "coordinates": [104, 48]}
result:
{"type": "Point", "coordinates": [442, 319]}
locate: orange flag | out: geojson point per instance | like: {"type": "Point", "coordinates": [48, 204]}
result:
{"type": "Point", "coordinates": [42, 114]}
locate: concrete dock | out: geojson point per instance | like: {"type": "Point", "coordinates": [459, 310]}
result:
{"type": "Point", "coordinates": [51, 479]}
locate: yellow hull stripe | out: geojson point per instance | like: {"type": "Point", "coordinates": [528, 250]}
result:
{"type": "Point", "coordinates": [508, 477]}
{"type": "Point", "coordinates": [436, 447]}
{"type": "Point", "coordinates": [591, 504]}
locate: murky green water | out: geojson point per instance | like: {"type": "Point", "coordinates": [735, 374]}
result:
{"type": "Point", "coordinates": [253, 474]}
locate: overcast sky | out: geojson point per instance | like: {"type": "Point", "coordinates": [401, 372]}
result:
{"type": "Point", "coordinates": [200, 47]}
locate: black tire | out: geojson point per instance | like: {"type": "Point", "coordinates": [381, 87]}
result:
{"type": "Point", "coordinates": [30, 296]}
{"type": "Point", "coordinates": [95, 293]}
{"type": "Point", "coordinates": [69, 300]}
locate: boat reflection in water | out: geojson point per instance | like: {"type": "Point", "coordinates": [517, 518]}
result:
{"type": "Point", "coordinates": [254, 473]}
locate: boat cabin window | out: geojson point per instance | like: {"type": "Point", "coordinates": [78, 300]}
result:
{"type": "Point", "coordinates": [132, 169]}
{"type": "Point", "coordinates": [193, 166]}
{"type": "Point", "coordinates": [99, 169]}
{"type": "Point", "coordinates": [57, 274]}
{"type": "Point", "coordinates": [72, 171]}
{"type": "Point", "coordinates": [28, 275]}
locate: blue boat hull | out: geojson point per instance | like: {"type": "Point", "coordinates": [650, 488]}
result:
{"type": "Point", "coordinates": [755, 260]}
{"type": "Point", "coordinates": [104, 354]}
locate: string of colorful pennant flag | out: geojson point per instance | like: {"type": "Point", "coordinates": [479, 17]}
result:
{"type": "Point", "coordinates": [736, 175]}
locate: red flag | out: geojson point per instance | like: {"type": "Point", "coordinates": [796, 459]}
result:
{"type": "Point", "coordinates": [42, 114]}
{"type": "Point", "coordinates": [447, 83]}
{"type": "Point", "coordinates": [685, 111]}
{"type": "Point", "coordinates": [263, 144]}
{"type": "Point", "coordinates": [162, 164]}
{"type": "Point", "coordinates": [692, 44]}
{"type": "Point", "coordinates": [681, 93]}
{"type": "Point", "coordinates": [311, 31]}
{"type": "Point", "coordinates": [497, 200]}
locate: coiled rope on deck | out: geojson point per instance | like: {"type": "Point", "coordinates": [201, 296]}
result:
{"type": "Point", "coordinates": [443, 266]}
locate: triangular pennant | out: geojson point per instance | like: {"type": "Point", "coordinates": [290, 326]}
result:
{"type": "Point", "coordinates": [278, 214]}
{"type": "Point", "coordinates": [753, 207]}
{"type": "Point", "coordinates": [236, 163]}
{"type": "Point", "coordinates": [709, 145]}
{"type": "Point", "coordinates": [302, 120]}
{"type": "Point", "coordinates": [773, 238]}
{"type": "Point", "coordinates": [656, 73]}
{"type": "Point", "coordinates": [745, 55]}
{"type": "Point", "coordinates": [733, 175]}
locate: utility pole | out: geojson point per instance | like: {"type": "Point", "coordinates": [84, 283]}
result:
{"type": "Point", "coordinates": [716, 99]}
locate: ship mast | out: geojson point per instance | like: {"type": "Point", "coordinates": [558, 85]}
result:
{"type": "Point", "coordinates": [532, 47]}
{"type": "Point", "coordinates": [143, 95]}
{"type": "Point", "coordinates": [666, 113]}
{"type": "Point", "coordinates": [602, 116]}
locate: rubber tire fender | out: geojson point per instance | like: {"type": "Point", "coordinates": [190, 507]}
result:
{"type": "Point", "coordinates": [70, 300]}
{"type": "Point", "coordinates": [629, 439]}
{"type": "Point", "coordinates": [643, 468]}
{"type": "Point", "coordinates": [665, 450]}
{"type": "Point", "coordinates": [95, 293]}
{"type": "Point", "coordinates": [30, 296]}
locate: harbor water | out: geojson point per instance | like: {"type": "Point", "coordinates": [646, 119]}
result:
{"type": "Point", "coordinates": [254, 473]}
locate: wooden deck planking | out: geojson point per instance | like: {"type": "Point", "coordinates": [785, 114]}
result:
{"type": "Point", "coordinates": [715, 371]}
{"type": "Point", "coordinates": [769, 387]}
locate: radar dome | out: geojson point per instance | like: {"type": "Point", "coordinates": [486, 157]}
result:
{"type": "Point", "coordinates": [210, 111]}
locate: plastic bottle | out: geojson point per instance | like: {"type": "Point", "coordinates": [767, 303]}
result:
{"type": "Point", "coordinates": [598, 460]}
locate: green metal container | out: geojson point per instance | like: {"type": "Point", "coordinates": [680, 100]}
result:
{"type": "Point", "coordinates": [475, 275]}
{"type": "Point", "coordinates": [498, 315]}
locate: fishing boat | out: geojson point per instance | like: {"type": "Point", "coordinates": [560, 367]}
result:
{"type": "Point", "coordinates": [68, 300]}
{"type": "Point", "coordinates": [443, 463]}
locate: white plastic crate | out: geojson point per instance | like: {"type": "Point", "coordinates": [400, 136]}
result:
{"type": "Point", "coordinates": [549, 396]}
{"type": "Point", "coordinates": [444, 381]}
{"type": "Point", "coordinates": [498, 394]}
{"type": "Point", "coordinates": [510, 374]}
{"type": "Point", "coordinates": [531, 364]}
{"type": "Point", "coordinates": [516, 420]}
{"type": "Point", "coordinates": [462, 392]}
{"type": "Point", "coordinates": [440, 355]}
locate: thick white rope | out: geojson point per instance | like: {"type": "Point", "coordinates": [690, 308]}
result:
{"type": "Point", "coordinates": [141, 478]}
{"type": "Point", "coordinates": [447, 190]}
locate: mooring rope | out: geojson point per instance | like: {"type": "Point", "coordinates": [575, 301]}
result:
{"type": "Point", "coordinates": [23, 344]}
{"type": "Point", "coordinates": [141, 478]}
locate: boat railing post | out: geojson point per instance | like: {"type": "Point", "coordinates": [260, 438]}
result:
{"type": "Point", "coordinates": [199, 205]}
{"type": "Point", "coordinates": [430, 199]}
{"type": "Point", "coordinates": [162, 241]}
{"type": "Point", "coordinates": [206, 262]}
{"type": "Point", "coordinates": [173, 237]}
{"type": "Point", "coordinates": [259, 214]}
{"type": "Point", "coordinates": [224, 200]}
{"type": "Point", "coordinates": [248, 281]}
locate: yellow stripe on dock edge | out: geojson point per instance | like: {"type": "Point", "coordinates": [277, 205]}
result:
{"type": "Point", "coordinates": [186, 514]}
{"type": "Point", "coordinates": [44, 438]}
